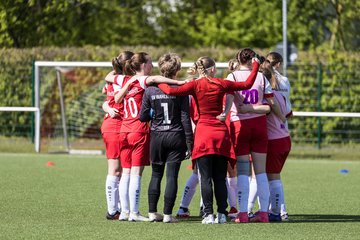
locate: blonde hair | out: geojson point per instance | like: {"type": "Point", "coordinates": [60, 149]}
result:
{"type": "Point", "coordinates": [202, 65]}
{"type": "Point", "coordinates": [169, 64]}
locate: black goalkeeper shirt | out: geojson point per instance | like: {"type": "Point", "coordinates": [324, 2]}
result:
{"type": "Point", "coordinates": [170, 113]}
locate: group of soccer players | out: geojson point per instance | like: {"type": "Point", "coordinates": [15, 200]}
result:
{"type": "Point", "coordinates": [239, 118]}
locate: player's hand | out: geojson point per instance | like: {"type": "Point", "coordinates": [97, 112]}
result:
{"type": "Point", "coordinates": [182, 82]}
{"type": "Point", "coordinates": [188, 155]}
{"type": "Point", "coordinates": [189, 145]}
{"type": "Point", "coordinates": [221, 117]}
{"type": "Point", "coordinates": [255, 59]}
{"type": "Point", "coordinates": [113, 112]}
{"type": "Point", "coordinates": [151, 113]}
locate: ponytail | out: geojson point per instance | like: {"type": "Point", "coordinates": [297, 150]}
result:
{"type": "Point", "coordinates": [119, 62]}
{"type": "Point", "coordinates": [128, 70]}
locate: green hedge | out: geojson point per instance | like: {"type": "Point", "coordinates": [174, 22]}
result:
{"type": "Point", "coordinates": [340, 75]}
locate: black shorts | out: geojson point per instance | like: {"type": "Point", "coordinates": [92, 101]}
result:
{"type": "Point", "coordinates": [167, 147]}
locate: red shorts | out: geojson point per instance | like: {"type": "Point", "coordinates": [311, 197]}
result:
{"type": "Point", "coordinates": [134, 149]}
{"type": "Point", "coordinates": [278, 150]}
{"type": "Point", "coordinates": [249, 135]}
{"type": "Point", "coordinates": [112, 144]}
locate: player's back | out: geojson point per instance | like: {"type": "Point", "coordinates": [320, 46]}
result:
{"type": "Point", "coordinates": [276, 128]}
{"type": "Point", "coordinates": [132, 104]}
{"type": "Point", "coordinates": [209, 97]}
{"type": "Point", "coordinates": [167, 110]}
{"type": "Point", "coordinates": [255, 95]}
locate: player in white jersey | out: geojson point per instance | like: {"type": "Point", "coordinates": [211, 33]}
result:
{"type": "Point", "coordinates": [282, 86]}
{"type": "Point", "coordinates": [134, 153]}
{"type": "Point", "coordinates": [282, 83]}
{"type": "Point", "coordinates": [279, 145]}
{"type": "Point", "coordinates": [249, 136]}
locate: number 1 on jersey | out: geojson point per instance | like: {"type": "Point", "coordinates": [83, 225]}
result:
{"type": "Point", "coordinates": [166, 113]}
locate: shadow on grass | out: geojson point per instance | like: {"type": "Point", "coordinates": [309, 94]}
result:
{"type": "Point", "coordinates": [297, 218]}
{"type": "Point", "coordinates": [190, 219]}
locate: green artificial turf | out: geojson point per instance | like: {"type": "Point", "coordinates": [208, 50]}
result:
{"type": "Point", "coordinates": [67, 201]}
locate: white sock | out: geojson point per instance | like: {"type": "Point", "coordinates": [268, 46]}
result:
{"type": "Point", "coordinates": [282, 200]}
{"type": "Point", "coordinates": [263, 191]}
{"type": "Point", "coordinates": [243, 192]}
{"type": "Point", "coordinates": [124, 192]}
{"type": "Point", "coordinates": [134, 193]}
{"type": "Point", "coordinates": [189, 190]}
{"type": "Point", "coordinates": [252, 195]}
{"type": "Point", "coordinates": [231, 184]}
{"type": "Point", "coordinates": [275, 196]}
{"type": "Point", "coordinates": [112, 194]}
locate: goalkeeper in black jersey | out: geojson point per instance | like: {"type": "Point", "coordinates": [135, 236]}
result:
{"type": "Point", "coordinates": [171, 136]}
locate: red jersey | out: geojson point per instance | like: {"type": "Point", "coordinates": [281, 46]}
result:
{"type": "Point", "coordinates": [112, 124]}
{"type": "Point", "coordinates": [132, 104]}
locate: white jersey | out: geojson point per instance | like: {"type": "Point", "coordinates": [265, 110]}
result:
{"type": "Point", "coordinates": [284, 89]}
{"type": "Point", "coordinates": [276, 129]}
{"type": "Point", "coordinates": [256, 95]}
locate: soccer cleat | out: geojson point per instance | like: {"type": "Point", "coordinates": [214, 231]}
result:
{"type": "Point", "coordinates": [221, 218]}
{"type": "Point", "coordinates": [251, 215]}
{"type": "Point", "coordinates": [124, 216]}
{"type": "Point", "coordinates": [183, 212]}
{"type": "Point", "coordinates": [285, 217]}
{"type": "Point", "coordinates": [233, 212]}
{"type": "Point", "coordinates": [169, 219]}
{"type": "Point", "coordinates": [137, 217]}
{"type": "Point", "coordinates": [274, 217]}
{"type": "Point", "coordinates": [260, 217]}
{"type": "Point", "coordinates": [209, 219]}
{"type": "Point", "coordinates": [242, 217]}
{"type": "Point", "coordinates": [114, 216]}
{"type": "Point", "coordinates": [155, 217]}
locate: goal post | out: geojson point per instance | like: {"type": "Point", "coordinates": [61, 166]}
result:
{"type": "Point", "coordinates": [94, 97]}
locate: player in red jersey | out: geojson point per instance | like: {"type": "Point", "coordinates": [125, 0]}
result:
{"type": "Point", "coordinates": [134, 153]}
{"type": "Point", "coordinates": [212, 145]}
{"type": "Point", "coordinates": [110, 130]}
